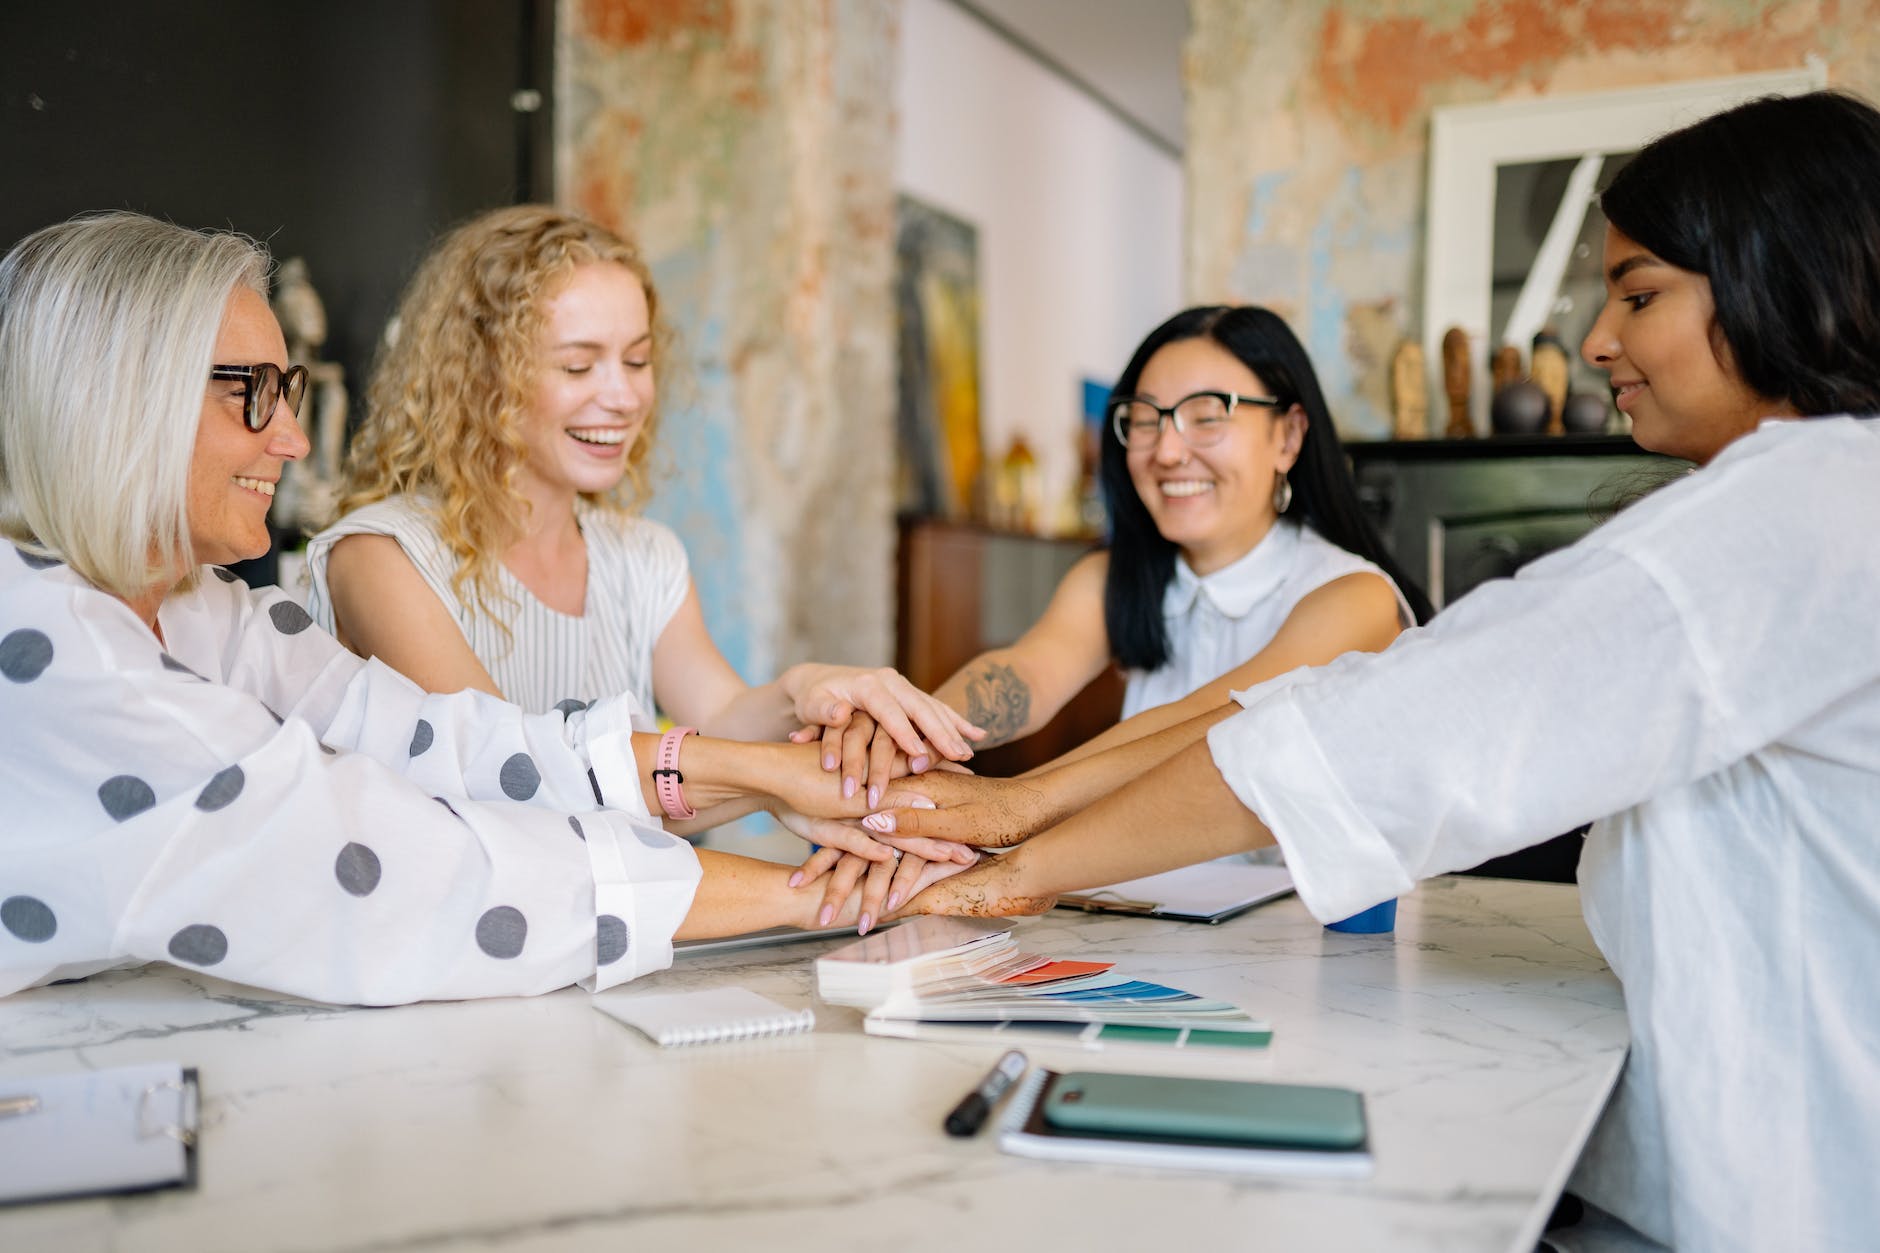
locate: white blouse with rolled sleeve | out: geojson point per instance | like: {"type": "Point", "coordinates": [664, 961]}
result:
{"type": "Point", "coordinates": [1702, 675]}
{"type": "Point", "coordinates": [251, 799]}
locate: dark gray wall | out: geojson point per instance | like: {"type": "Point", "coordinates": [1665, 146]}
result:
{"type": "Point", "coordinates": [345, 131]}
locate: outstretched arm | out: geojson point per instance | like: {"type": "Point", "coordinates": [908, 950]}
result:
{"type": "Point", "coordinates": [1356, 613]}
{"type": "Point", "coordinates": [1013, 691]}
{"type": "Point", "coordinates": [1181, 814]}
{"type": "Point", "coordinates": [997, 813]}
{"type": "Point", "coordinates": [697, 686]}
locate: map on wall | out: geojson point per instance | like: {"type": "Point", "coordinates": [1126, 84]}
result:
{"type": "Point", "coordinates": [937, 309]}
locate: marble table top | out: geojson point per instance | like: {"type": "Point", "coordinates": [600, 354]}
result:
{"type": "Point", "coordinates": [1485, 1035]}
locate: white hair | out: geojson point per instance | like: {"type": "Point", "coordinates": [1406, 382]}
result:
{"type": "Point", "coordinates": [108, 326]}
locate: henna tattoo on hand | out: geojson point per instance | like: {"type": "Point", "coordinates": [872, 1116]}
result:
{"type": "Point", "coordinates": [997, 700]}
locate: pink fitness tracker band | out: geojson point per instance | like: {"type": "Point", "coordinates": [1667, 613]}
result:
{"type": "Point", "coordinates": [667, 780]}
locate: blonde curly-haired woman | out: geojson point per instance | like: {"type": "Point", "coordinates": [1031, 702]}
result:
{"type": "Point", "coordinates": [489, 538]}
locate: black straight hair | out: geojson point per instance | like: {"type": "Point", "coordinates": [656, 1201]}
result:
{"type": "Point", "coordinates": [1142, 561]}
{"type": "Point", "coordinates": [1777, 203]}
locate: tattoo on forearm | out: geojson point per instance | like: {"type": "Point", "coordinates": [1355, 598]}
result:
{"type": "Point", "coordinates": [997, 700]}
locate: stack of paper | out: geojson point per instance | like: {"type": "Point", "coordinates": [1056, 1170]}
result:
{"type": "Point", "coordinates": [871, 970]}
{"type": "Point", "coordinates": [954, 976]}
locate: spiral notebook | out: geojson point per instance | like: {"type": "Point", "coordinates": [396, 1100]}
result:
{"type": "Point", "coordinates": [705, 1017]}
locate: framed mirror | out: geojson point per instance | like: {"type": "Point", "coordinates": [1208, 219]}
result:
{"type": "Point", "coordinates": [1509, 217]}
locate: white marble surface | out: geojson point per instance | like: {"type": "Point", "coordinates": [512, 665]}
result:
{"type": "Point", "coordinates": [1484, 1034]}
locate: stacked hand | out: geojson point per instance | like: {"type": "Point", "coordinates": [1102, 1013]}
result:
{"type": "Point", "coordinates": [927, 831]}
{"type": "Point", "coordinates": [865, 718]}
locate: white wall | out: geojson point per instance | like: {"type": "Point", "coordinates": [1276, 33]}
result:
{"type": "Point", "coordinates": [1079, 223]}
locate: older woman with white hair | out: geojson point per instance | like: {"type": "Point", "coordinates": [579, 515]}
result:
{"type": "Point", "coordinates": [199, 774]}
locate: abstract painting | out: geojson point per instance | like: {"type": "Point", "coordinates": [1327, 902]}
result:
{"type": "Point", "coordinates": [937, 307]}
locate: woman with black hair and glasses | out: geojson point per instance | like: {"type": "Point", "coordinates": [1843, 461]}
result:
{"type": "Point", "coordinates": [1237, 549]}
{"type": "Point", "coordinates": [1237, 553]}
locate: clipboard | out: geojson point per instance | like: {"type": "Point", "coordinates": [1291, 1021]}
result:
{"type": "Point", "coordinates": [1210, 892]}
{"type": "Point", "coordinates": [128, 1129]}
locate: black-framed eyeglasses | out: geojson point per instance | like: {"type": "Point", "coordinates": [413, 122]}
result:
{"type": "Point", "coordinates": [1201, 419]}
{"type": "Point", "coordinates": [265, 385]}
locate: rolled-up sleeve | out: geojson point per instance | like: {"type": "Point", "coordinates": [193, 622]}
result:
{"type": "Point", "coordinates": [1675, 641]}
{"type": "Point", "coordinates": [1513, 717]}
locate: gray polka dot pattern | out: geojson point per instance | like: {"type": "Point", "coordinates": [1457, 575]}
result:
{"type": "Point", "coordinates": [34, 561]}
{"type": "Point", "coordinates": [199, 945]}
{"type": "Point", "coordinates": [576, 824]}
{"type": "Point", "coordinates": [421, 737]}
{"type": "Point", "coordinates": [570, 707]}
{"type": "Point", "coordinates": [25, 654]}
{"type": "Point", "coordinates": [655, 839]}
{"type": "Point", "coordinates": [501, 932]}
{"type": "Point", "coordinates": [610, 940]}
{"type": "Point", "coordinates": [125, 796]}
{"type": "Point", "coordinates": [289, 618]}
{"type": "Point", "coordinates": [357, 869]}
{"type": "Point", "coordinates": [225, 575]}
{"type": "Point", "coordinates": [520, 778]}
{"type": "Point", "coordinates": [28, 918]}
{"type": "Point", "coordinates": [222, 790]}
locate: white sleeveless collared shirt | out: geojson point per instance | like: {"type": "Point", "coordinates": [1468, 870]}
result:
{"type": "Point", "coordinates": [1217, 622]}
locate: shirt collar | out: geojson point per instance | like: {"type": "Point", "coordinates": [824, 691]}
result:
{"type": "Point", "coordinates": [1237, 587]}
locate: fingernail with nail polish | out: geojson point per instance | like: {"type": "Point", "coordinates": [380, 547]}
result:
{"type": "Point", "coordinates": [796, 880]}
{"type": "Point", "coordinates": [874, 795]}
{"type": "Point", "coordinates": [879, 822]}
{"type": "Point", "coordinates": [894, 901]}
{"type": "Point", "coordinates": [920, 802]}
{"type": "Point", "coordinates": [919, 764]}
{"type": "Point", "coordinates": [867, 922]}
{"type": "Point", "coordinates": [829, 762]}
{"type": "Point", "coordinates": [848, 788]}
{"type": "Point", "coordinates": [828, 912]}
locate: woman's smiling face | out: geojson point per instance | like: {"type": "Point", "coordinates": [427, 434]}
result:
{"type": "Point", "coordinates": [234, 471]}
{"type": "Point", "coordinates": [1671, 370]}
{"type": "Point", "coordinates": [1214, 503]}
{"type": "Point", "coordinates": [595, 387]}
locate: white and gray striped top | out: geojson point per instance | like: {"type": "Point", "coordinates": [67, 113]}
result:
{"type": "Point", "coordinates": [637, 579]}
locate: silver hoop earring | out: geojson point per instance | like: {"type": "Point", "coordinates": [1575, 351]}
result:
{"type": "Point", "coordinates": [1282, 492]}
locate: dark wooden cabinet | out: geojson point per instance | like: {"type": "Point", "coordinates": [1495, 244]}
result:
{"type": "Point", "coordinates": [963, 589]}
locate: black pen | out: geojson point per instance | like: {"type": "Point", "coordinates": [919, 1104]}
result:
{"type": "Point", "coordinates": [970, 1114]}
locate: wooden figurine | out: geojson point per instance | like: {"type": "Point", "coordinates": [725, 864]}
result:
{"type": "Point", "coordinates": [1549, 371]}
{"type": "Point", "coordinates": [1409, 392]}
{"type": "Point", "coordinates": [1456, 382]}
{"type": "Point", "coordinates": [1506, 368]}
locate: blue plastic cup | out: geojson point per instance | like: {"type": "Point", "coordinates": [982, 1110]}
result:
{"type": "Point", "coordinates": [1373, 921]}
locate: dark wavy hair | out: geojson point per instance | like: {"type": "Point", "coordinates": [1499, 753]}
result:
{"type": "Point", "coordinates": [1142, 562]}
{"type": "Point", "coordinates": [1777, 203]}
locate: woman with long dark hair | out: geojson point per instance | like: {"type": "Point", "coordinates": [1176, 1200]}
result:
{"type": "Point", "coordinates": [1238, 551]}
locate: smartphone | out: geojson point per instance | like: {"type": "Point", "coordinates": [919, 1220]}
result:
{"type": "Point", "coordinates": [1163, 1107]}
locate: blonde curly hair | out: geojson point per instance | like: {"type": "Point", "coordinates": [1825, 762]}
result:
{"type": "Point", "coordinates": [448, 398]}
